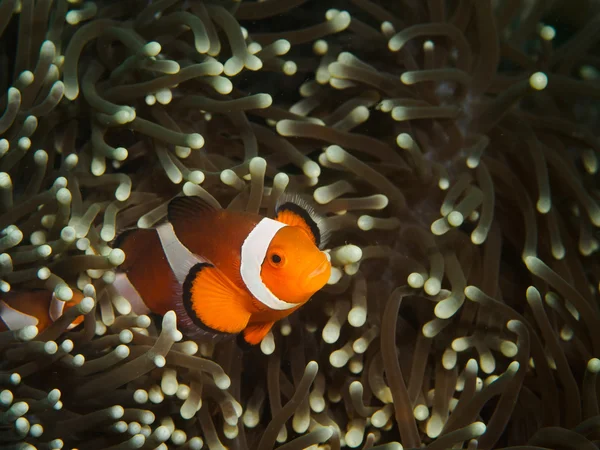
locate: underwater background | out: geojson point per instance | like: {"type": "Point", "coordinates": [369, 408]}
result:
{"type": "Point", "coordinates": [453, 147]}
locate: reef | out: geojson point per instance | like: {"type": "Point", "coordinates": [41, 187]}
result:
{"type": "Point", "coordinates": [452, 146]}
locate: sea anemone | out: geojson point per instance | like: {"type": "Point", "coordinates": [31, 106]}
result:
{"type": "Point", "coordinates": [452, 147]}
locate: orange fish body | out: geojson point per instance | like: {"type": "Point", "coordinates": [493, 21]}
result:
{"type": "Point", "coordinates": [226, 271]}
{"type": "Point", "coordinates": [37, 307]}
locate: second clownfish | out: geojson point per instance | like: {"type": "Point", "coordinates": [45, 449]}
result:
{"type": "Point", "coordinates": [37, 307]}
{"type": "Point", "coordinates": [223, 270]}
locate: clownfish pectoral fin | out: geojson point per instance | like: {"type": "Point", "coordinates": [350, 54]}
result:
{"type": "Point", "coordinates": [255, 333]}
{"type": "Point", "coordinates": [188, 209]}
{"type": "Point", "coordinates": [299, 213]}
{"type": "Point", "coordinates": [211, 298]}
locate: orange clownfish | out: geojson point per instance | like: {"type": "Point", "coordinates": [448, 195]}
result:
{"type": "Point", "coordinates": [36, 307]}
{"type": "Point", "coordinates": [225, 271]}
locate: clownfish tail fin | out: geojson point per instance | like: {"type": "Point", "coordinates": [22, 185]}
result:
{"type": "Point", "coordinates": [297, 210]}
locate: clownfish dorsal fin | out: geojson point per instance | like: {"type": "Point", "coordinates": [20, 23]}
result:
{"type": "Point", "coordinates": [183, 209]}
{"type": "Point", "coordinates": [255, 333]}
{"type": "Point", "coordinates": [212, 300]}
{"type": "Point", "coordinates": [296, 211]}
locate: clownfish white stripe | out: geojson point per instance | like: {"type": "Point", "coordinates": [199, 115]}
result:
{"type": "Point", "coordinates": [125, 287]}
{"type": "Point", "coordinates": [56, 308]}
{"type": "Point", "coordinates": [14, 319]}
{"type": "Point", "coordinates": [180, 258]}
{"type": "Point", "coordinates": [254, 250]}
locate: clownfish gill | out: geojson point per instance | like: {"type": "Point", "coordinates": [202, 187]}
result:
{"type": "Point", "coordinates": [225, 271]}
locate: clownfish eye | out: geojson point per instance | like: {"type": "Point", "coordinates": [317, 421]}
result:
{"type": "Point", "coordinates": [276, 259]}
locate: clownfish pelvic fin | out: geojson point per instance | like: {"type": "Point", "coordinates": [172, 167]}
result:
{"type": "Point", "coordinates": [255, 333]}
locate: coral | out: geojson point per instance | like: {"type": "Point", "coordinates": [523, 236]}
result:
{"type": "Point", "coordinates": [452, 146]}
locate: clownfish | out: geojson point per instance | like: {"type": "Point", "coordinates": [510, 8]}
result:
{"type": "Point", "coordinates": [38, 307]}
{"type": "Point", "coordinates": [225, 271]}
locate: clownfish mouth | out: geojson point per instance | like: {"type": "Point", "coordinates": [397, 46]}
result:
{"type": "Point", "coordinates": [318, 276]}
{"type": "Point", "coordinates": [320, 270]}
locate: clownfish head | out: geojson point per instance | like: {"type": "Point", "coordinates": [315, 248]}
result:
{"type": "Point", "coordinates": [294, 268]}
